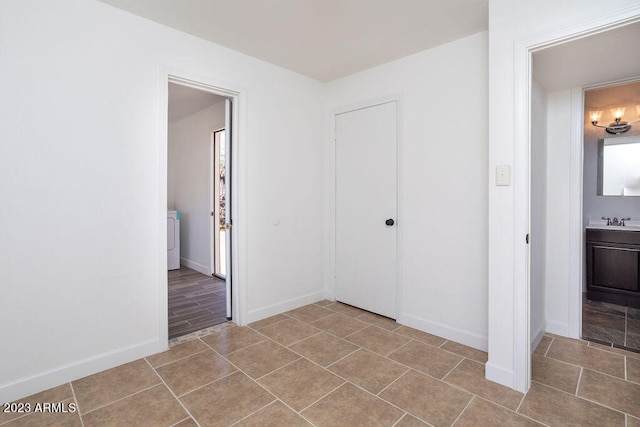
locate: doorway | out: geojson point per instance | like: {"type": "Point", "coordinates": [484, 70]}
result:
{"type": "Point", "coordinates": [557, 305]}
{"type": "Point", "coordinates": [366, 193]}
{"type": "Point", "coordinates": [198, 189]}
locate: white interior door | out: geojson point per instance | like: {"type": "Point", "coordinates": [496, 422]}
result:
{"type": "Point", "coordinates": [366, 208]}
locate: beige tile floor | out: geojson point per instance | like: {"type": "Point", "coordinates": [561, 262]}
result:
{"type": "Point", "coordinates": [328, 364]}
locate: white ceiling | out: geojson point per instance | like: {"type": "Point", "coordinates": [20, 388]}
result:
{"type": "Point", "coordinates": [184, 101]}
{"type": "Point", "coordinates": [604, 57]}
{"type": "Point", "coordinates": [323, 39]}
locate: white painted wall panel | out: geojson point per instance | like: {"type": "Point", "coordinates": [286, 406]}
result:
{"type": "Point", "coordinates": [80, 167]}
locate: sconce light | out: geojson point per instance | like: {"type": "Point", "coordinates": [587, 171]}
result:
{"type": "Point", "coordinates": [618, 126]}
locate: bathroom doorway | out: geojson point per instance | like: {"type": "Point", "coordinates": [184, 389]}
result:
{"type": "Point", "coordinates": [611, 189]}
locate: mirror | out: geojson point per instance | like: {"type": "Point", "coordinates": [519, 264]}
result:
{"type": "Point", "coordinates": [619, 166]}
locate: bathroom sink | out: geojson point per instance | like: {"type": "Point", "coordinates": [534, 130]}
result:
{"type": "Point", "coordinates": [598, 224]}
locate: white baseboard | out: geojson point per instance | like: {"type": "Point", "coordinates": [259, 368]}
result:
{"type": "Point", "coordinates": [445, 331]}
{"type": "Point", "coordinates": [498, 374]}
{"type": "Point", "coordinates": [561, 329]}
{"type": "Point", "coordinates": [201, 268]}
{"type": "Point", "coordinates": [291, 304]}
{"type": "Point", "coordinates": [537, 336]}
{"type": "Point", "coordinates": [38, 382]}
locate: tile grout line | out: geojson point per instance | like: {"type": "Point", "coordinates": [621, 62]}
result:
{"type": "Point", "coordinates": [401, 418]}
{"type": "Point", "coordinates": [579, 380]}
{"type": "Point", "coordinates": [452, 369]}
{"type": "Point", "coordinates": [584, 398]}
{"type": "Point", "coordinates": [174, 361]}
{"type": "Point", "coordinates": [464, 409]}
{"type": "Point", "coordinates": [123, 398]}
{"type": "Point", "coordinates": [75, 399]}
{"type": "Point", "coordinates": [173, 394]}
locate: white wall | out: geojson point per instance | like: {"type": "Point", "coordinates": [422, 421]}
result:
{"type": "Point", "coordinates": [189, 176]}
{"type": "Point", "coordinates": [558, 220]}
{"type": "Point", "coordinates": [512, 26]}
{"type": "Point", "coordinates": [443, 185]}
{"type": "Point", "coordinates": [84, 190]}
{"type": "Point", "coordinates": [538, 233]}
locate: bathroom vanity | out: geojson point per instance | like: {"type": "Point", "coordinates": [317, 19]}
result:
{"type": "Point", "coordinates": [613, 265]}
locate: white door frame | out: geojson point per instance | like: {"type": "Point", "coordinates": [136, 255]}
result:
{"type": "Point", "coordinates": [239, 171]}
{"type": "Point", "coordinates": [331, 282]}
{"type": "Point", "coordinates": [522, 83]}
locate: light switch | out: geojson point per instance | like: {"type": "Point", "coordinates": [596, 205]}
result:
{"type": "Point", "coordinates": [503, 175]}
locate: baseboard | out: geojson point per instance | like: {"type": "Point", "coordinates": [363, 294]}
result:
{"type": "Point", "coordinates": [445, 331]}
{"type": "Point", "coordinates": [537, 336]}
{"type": "Point", "coordinates": [498, 374]}
{"type": "Point", "coordinates": [204, 269]}
{"type": "Point", "coordinates": [291, 304]}
{"type": "Point", "coordinates": [35, 383]}
{"type": "Point", "coordinates": [561, 329]}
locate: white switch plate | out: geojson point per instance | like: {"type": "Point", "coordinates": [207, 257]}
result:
{"type": "Point", "coordinates": [503, 175]}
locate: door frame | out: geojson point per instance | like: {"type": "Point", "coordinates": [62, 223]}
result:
{"type": "Point", "coordinates": [238, 254]}
{"type": "Point", "coordinates": [331, 264]}
{"type": "Point", "coordinates": [523, 50]}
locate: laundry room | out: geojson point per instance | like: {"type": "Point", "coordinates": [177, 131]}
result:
{"type": "Point", "coordinates": [196, 202]}
{"type": "Point", "coordinates": [193, 118]}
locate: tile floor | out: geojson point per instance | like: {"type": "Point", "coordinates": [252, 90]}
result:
{"type": "Point", "coordinates": [328, 364]}
{"type": "Point", "coordinates": [611, 324]}
{"type": "Point", "coordinates": [196, 301]}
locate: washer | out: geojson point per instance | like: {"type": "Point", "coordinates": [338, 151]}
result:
{"type": "Point", "coordinates": [173, 240]}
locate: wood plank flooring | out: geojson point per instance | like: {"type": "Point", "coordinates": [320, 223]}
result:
{"type": "Point", "coordinates": [196, 301]}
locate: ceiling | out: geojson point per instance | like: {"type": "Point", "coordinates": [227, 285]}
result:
{"type": "Point", "coordinates": [322, 39]}
{"type": "Point", "coordinates": [604, 57]}
{"type": "Point", "coordinates": [328, 39]}
{"type": "Point", "coordinates": [184, 101]}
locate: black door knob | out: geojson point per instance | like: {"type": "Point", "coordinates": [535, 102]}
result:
{"type": "Point", "coordinates": [389, 222]}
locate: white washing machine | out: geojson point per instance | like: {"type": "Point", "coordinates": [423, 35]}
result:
{"type": "Point", "coordinates": [173, 240]}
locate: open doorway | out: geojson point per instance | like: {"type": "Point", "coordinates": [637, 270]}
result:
{"type": "Point", "coordinates": [611, 293]}
{"type": "Point", "coordinates": [550, 72]}
{"type": "Point", "coordinates": [198, 202]}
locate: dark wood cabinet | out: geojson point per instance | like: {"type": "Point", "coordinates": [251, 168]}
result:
{"type": "Point", "coordinates": [613, 266]}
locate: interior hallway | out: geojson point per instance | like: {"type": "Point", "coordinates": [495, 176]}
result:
{"type": "Point", "coordinates": [329, 364]}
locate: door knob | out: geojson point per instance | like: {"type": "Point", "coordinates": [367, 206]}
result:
{"type": "Point", "coordinates": [389, 222]}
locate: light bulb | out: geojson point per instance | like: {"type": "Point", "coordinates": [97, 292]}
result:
{"type": "Point", "coordinates": [618, 113]}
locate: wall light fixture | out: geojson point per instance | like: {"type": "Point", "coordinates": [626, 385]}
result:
{"type": "Point", "coordinates": [618, 125]}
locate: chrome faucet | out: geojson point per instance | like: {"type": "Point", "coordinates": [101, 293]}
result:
{"type": "Point", "coordinates": [616, 221]}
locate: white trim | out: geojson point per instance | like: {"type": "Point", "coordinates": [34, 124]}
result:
{"type": "Point", "coordinates": [499, 375]}
{"type": "Point", "coordinates": [522, 83]}
{"type": "Point", "coordinates": [537, 337]}
{"type": "Point", "coordinates": [576, 235]}
{"type": "Point", "coordinates": [331, 282]}
{"type": "Point", "coordinates": [239, 171]}
{"type": "Point", "coordinates": [433, 327]}
{"type": "Point", "coordinates": [35, 383]}
{"type": "Point", "coordinates": [558, 328]}
{"type": "Point", "coordinates": [281, 307]}
{"type": "Point", "coordinates": [200, 268]}
{"type": "Point", "coordinates": [522, 220]}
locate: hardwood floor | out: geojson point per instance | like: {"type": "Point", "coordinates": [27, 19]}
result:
{"type": "Point", "coordinates": [196, 301]}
